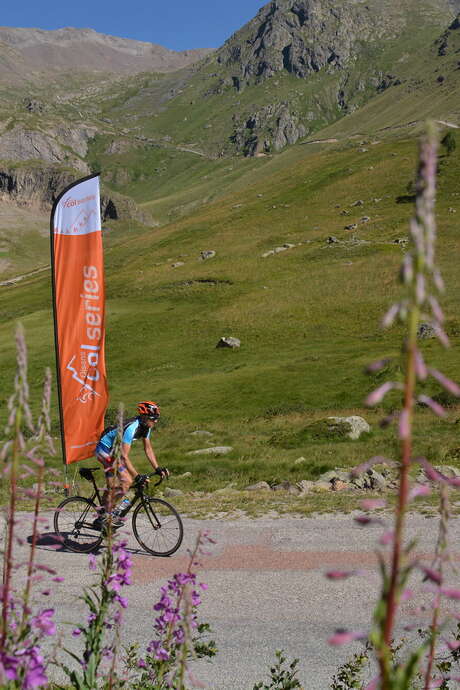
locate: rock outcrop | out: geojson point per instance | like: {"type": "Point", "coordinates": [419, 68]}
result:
{"type": "Point", "coordinates": [305, 36]}
{"type": "Point", "coordinates": [33, 185]}
{"type": "Point", "coordinates": [115, 206]}
{"type": "Point", "coordinates": [443, 42]}
{"type": "Point", "coordinates": [58, 145]}
{"type": "Point", "coordinates": [382, 479]}
{"type": "Point", "coordinates": [39, 185]}
{"type": "Point", "coordinates": [269, 129]}
{"type": "Point", "coordinates": [333, 45]}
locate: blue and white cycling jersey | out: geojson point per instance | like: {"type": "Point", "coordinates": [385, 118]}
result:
{"type": "Point", "coordinates": [132, 430]}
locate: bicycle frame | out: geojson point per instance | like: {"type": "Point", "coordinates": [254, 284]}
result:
{"type": "Point", "coordinates": [139, 495]}
{"type": "Point", "coordinates": [81, 522]}
{"type": "Point", "coordinates": [89, 476]}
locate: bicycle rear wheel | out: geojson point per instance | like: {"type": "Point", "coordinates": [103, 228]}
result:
{"type": "Point", "coordinates": [157, 527]}
{"type": "Point", "coordinates": [73, 523]}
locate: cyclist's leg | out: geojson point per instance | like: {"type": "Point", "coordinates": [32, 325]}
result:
{"type": "Point", "coordinates": [112, 491]}
{"type": "Point", "coordinates": [124, 479]}
{"type": "Point", "coordinates": [119, 483]}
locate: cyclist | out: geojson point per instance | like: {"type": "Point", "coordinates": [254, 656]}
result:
{"type": "Point", "coordinates": [133, 429]}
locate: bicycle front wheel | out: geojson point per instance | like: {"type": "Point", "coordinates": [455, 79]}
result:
{"type": "Point", "coordinates": [157, 527]}
{"type": "Point", "coordinates": [73, 524]}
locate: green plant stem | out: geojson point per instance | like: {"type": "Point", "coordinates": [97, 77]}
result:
{"type": "Point", "coordinates": [93, 650]}
{"type": "Point", "coordinates": [112, 673]}
{"type": "Point", "coordinates": [179, 602]}
{"type": "Point", "coordinates": [30, 565]}
{"type": "Point", "coordinates": [440, 554]}
{"type": "Point", "coordinates": [184, 653]}
{"type": "Point", "coordinates": [406, 453]}
{"type": "Point", "coordinates": [8, 564]}
{"type": "Point", "coordinates": [434, 635]}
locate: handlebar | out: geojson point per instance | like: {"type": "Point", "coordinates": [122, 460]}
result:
{"type": "Point", "coordinates": [140, 485]}
{"type": "Point", "coordinates": [154, 474]}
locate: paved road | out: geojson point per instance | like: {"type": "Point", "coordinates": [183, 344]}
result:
{"type": "Point", "coordinates": [267, 590]}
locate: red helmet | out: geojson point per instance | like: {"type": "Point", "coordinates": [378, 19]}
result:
{"type": "Point", "coordinates": [149, 408]}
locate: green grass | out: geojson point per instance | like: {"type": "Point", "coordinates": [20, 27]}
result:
{"type": "Point", "coordinates": [255, 457]}
{"type": "Point", "coordinates": [308, 318]}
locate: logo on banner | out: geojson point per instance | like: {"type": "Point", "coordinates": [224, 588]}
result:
{"type": "Point", "coordinates": [82, 216]}
{"type": "Point", "coordinates": [86, 369]}
{"type": "Point", "coordinates": [87, 391]}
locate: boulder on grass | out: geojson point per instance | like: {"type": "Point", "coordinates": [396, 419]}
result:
{"type": "Point", "coordinates": [287, 486]}
{"type": "Point", "coordinates": [300, 461]}
{"type": "Point", "coordinates": [321, 487]}
{"type": "Point", "coordinates": [207, 254]}
{"type": "Point", "coordinates": [259, 486]}
{"type": "Point", "coordinates": [338, 485]}
{"type": "Point", "coordinates": [357, 425]}
{"type": "Point", "coordinates": [213, 450]}
{"type": "Point", "coordinates": [231, 342]}
{"type": "Point", "coordinates": [335, 475]}
{"type": "Point", "coordinates": [170, 493]}
{"type": "Point", "coordinates": [305, 486]}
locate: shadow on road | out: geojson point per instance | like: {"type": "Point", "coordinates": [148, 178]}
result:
{"type": "Point", "coordinates": [49, 541]}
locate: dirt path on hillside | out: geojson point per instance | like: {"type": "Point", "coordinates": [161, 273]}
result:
{"type": "Point", "coordinates": [17, 279]}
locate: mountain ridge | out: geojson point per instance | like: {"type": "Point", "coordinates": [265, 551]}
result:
{"type": "Point", "coordinates": [304, 36]}
{"type": "Point", "coordinates": [70, 48]}
{"type": "Point", "coordinates": [297, 67]}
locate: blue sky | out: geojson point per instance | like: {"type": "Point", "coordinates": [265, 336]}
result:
{"type": "Point", "coordinates": [175, 24]}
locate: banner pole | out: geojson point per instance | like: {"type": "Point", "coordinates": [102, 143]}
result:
{"type": "Point", "coordinates": [56, 346]}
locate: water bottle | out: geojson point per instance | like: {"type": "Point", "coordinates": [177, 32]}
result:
{"type": "Point", "coordinates": [121, 507]}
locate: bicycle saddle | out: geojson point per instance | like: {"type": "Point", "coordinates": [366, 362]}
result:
{"type": "Point", "coordinates": [87, 472]}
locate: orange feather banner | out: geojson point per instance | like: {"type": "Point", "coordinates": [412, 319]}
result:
{"type": "Point", "coordinates": [79, 316]}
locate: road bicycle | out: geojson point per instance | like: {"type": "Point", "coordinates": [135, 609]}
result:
{"type": "Point", "coordinates": [157, 526]}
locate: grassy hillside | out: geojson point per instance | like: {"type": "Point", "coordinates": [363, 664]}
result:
{"type": "Point", "coordinates": [308, 317]}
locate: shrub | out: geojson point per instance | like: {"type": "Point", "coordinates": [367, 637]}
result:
{"type": "Point", "coordinates": [449, 142]}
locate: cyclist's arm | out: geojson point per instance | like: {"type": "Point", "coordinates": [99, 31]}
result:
{"type": "Point", "coordinates": [150, 453]}
{"type": "Point", "coordinates": [125, 448]}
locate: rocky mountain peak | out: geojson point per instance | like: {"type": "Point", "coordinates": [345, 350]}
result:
{"type": "Point", "coordinates": [305, 36]}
